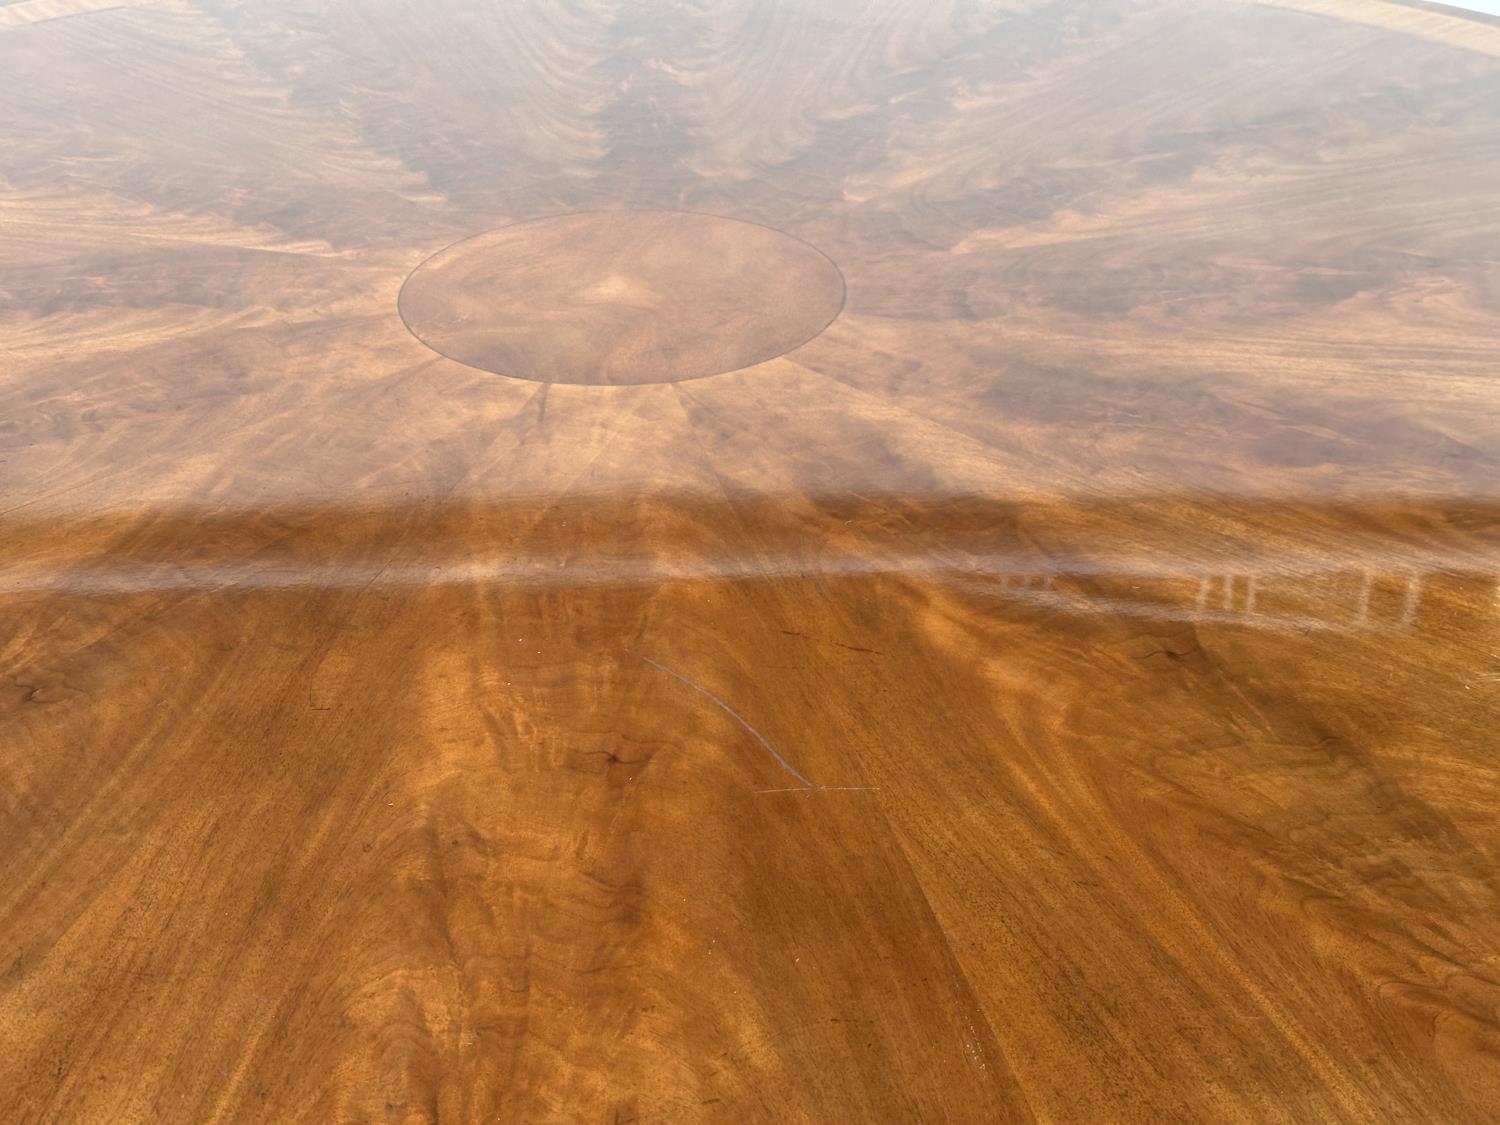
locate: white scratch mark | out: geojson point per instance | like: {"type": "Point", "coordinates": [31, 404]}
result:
{"type": "Point", "coordinates": [826, 789]}
{"type": "Point", "coordinates": [737, 717]}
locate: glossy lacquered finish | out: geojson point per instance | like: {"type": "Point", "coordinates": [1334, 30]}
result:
{"type": "Point", "coordinates": [749, 561]}
{"type": "Point", "coordinates": [622, 297]}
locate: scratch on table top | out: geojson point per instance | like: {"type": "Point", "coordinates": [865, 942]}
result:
{"type": "Point", "coordinates": [737, 717]}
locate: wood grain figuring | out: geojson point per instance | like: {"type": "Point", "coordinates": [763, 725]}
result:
{"type": "Point", "coordinates": [1467, 31]}
{"type": "Point", "coordinates": [17, 13]}
{"type": "Point", "coordinates": [495, 625]}
{"type": "Point", "coordinates": [622, 298]}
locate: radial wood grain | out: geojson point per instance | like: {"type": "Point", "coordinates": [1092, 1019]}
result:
{"type": "Point", "coordinates": [953, 573]}
{"type": "Point", "coordinates": [621, 297]}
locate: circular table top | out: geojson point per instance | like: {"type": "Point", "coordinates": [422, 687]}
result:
{"type": "Point", "coordinates": [499, 626]}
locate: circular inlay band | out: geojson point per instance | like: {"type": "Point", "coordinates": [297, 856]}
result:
{"type": "Point", "coordinates": [622, 297]}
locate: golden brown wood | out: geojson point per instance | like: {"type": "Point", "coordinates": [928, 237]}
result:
{"type": "Point", "coordinates": [621, 297]}
{"type": "Point", "coordinates": [1063, 688]}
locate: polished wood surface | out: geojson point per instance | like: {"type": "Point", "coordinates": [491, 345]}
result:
{"type": "Point", "coordinates": [622, 297]}
{"type": "Point", "coordinates": [1054, 680]}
